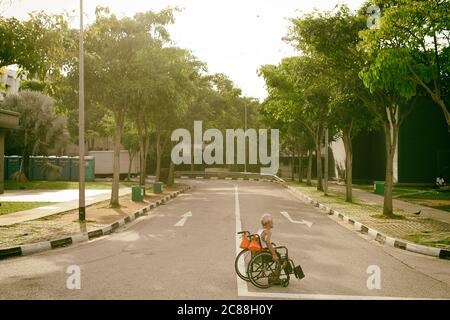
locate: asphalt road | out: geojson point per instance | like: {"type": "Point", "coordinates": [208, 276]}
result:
{"type": "Point", "coordinates": [172, 254]}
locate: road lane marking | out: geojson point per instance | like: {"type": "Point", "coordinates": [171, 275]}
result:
{"type": "Point", "coordinates": [287, 216]}
{"type": "Point", "coordinates": [183, 219]}
{"type": "Point", "coordinates": [241, 284]}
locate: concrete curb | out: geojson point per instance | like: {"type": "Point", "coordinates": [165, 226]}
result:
{"type": "Point", "coordinates": [372, 233]}
{"type": "Point", "coordinates": [27, 249]}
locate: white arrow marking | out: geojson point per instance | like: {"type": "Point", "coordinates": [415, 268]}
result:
{"type": "Point", "coordinates": [183, 219]}
{"type": "Point", "coordinates": [287, 216]}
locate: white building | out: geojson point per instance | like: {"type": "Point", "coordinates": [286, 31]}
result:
{"type": "Point", "coordinates": [9, 82]}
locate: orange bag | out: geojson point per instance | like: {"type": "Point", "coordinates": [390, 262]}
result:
{"type": "Point", "coordinates": [254, 245]}
{"type": "Point", "coordinates": [245, 242]}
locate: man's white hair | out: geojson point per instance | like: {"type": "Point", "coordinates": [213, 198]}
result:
{"type": "Point", "coordinates": [265, 219]}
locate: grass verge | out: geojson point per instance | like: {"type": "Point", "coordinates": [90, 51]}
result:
{"type": "Point", "coordinates": [428, 197]}
{"type": "Point", "coordinates": [402, 225]}
{"type": "Point", "coordinates": [11, 207]}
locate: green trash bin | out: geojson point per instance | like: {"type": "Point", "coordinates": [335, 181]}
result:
{"type": "Point", "coordinates": [378, 187]}
{"type": "Point", "coordinates": [137, 193]}
{"type": "Point", "coordinates": [64, 163]}
{"type": "Point", "coordinates": [74, 169]}
{"type": "Point", "coordinates": [89, 168]}
{"type": "Point", "coordinates": [12, 165]}
{"type": "Point", "coordinates": [158, 187]}
{"type": "Point", "coordinates": [36, 168]}
{"type": "Point", "coordinates": [89, 172]}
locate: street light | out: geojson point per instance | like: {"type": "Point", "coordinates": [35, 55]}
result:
{"type": "Point", "coordinates": [81, 186]}
{"type": "Point", "coordinates": [245, 140]}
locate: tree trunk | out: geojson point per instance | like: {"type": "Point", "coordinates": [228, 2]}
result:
{"type": "Point", "coordinates": [319, 161]}
{"type": "Point", "coordinates": [309, 173]}
{"type": "Point", "coordinates": [116, 167]}
{"type": "Point", "coordinates": [171, 179]}
{"type": "Point", "coordinates": [141, 163]}
{"type": "Point", "coordinates": [292, 166]}
{"type": "Point", "coordinates": [390, 139]}
{"type": "Point", "coordinates": [440, 102]}
{"type": "Point", "coordinates": [192, 158]}
{"type": "Point", "coordinates": [348, 166]}
{"type": "Point", "coordinates": [391, 127]}
{"type": "Point", "coordinates": [143, 150]}
{"type": "Point", "coordinates": [158, 156]}
{"type": "Point", "coordinates": [300, 178]}
{"type": "Point", "coordinates": [24, 164]}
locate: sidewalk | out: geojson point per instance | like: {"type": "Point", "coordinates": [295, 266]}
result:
{"type": "Point", "coordinates": [67, 200]}
{"type": "Point", "coordinates": [426, 212]}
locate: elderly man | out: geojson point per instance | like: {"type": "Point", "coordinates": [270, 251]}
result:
{"type": "Point", "coordinates": [265, 234]}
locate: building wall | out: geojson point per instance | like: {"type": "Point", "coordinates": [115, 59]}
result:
{"type": "Point", "coordinates": [423, 149]}
{"type": "Point", "coordinates": [104, 162]}
{"type": "Point", "coordinates": [369, 156]}
{"type": "Point", "coordinates": [10, 82]}
{"type": "Point", "coordinates": [338, 151]}
{"type": "Point", "coordinates": [424, 144]}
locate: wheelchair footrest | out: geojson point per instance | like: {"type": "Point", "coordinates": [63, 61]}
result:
{"type": "Point", "coordinates": [299, 272]}
{"type": "Point", "coordinates": [291, 268]}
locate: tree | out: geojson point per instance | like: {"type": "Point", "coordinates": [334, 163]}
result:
{"type": "Point", "coordinates": [39, 45]}
{"type": "Point", "coordinates": [300, 87]}
{"type": "Point", "coordinates": [345, 61]}
{"type": "Point", "coordinates": [179, 92]}
{"type": "Point", "coordinates": [341, 65]}
{"type": "Point", "coordinates": [33, 85]}
{"type": "Point", "coordinates": [351, 117]}
{"type": "Point", "coordinates": [111, 44]}
{"type": "Point", "coordinates": [391, 95]}
{"type": "Point", "coordinates": [410, 50]}
{"type": "Point", "coordinates": [294, 135]}
{"type": "Point", "coordinates": [130, 141]}
{"type": "Point", "coordinates": [150, 61]}
{"type": "Point", "coordinates": [41, 129]}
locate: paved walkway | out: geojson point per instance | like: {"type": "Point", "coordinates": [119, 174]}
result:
{"type": "Point", "coordinates": [49, 195]}
{"type": "Point", "coordinates": [427, 212]}
{"type": "Point", "coordinates": [66, 200]}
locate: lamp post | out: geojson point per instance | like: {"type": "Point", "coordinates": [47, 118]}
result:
{"type": "Point", "coordinates": [245, 140]}
{"type": "Point", "coordinates": [81, 186]}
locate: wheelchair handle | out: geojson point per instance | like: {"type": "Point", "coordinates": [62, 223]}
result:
{"type": "Point", "coordinates": [250, 235]}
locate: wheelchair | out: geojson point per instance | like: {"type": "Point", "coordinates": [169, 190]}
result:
{"type": "Point", "coordinates": [259, 268]}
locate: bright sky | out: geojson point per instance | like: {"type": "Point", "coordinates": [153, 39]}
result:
{"type": "Point", "coordinates": [234, 37]}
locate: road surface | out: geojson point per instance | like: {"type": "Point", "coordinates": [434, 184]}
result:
{"type": "Point", "coordinates": [186, 250]}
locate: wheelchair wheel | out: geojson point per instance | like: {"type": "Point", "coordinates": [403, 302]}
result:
{"type": "Point", "coordinates": [262, 270]}
{"type": "Point", "coordinates": [241, 263]}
